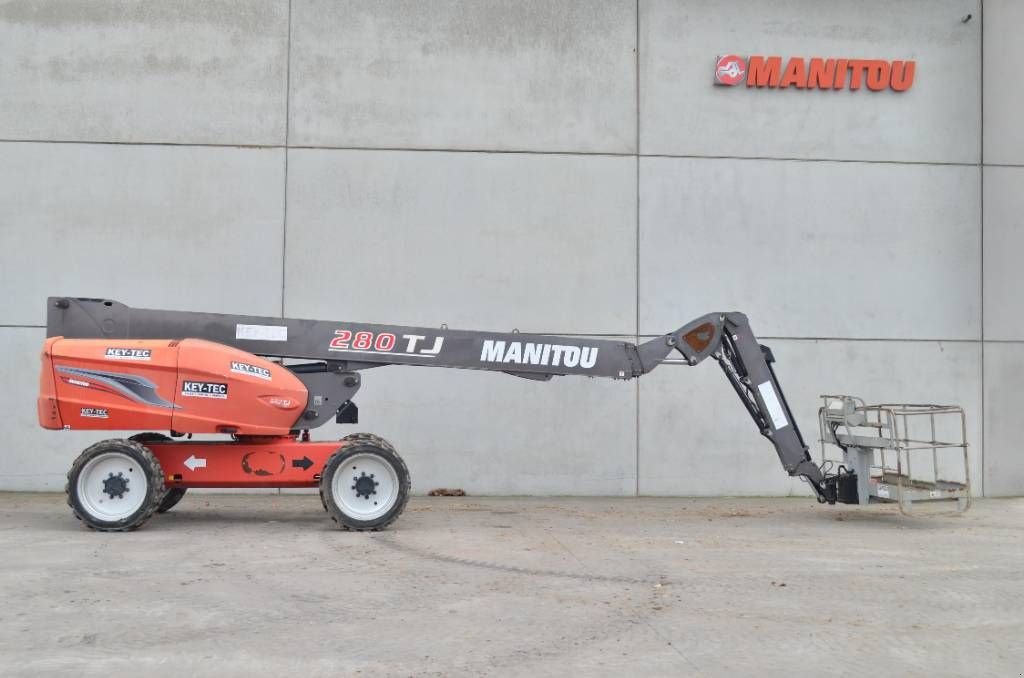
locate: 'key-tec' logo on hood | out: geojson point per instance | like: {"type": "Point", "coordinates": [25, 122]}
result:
{"type": "Point", "coordinates": [814, 73]}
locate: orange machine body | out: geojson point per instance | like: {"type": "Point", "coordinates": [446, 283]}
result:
{"type": "Point", "coordinates": [249, 461]}
{"type": "Point", "coordinates": [188, 386]}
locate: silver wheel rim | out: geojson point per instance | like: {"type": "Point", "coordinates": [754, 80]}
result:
{"type": "Point", "coordinates": [363, 474]}
{"type": "Point", "coordinates": [109, 471]}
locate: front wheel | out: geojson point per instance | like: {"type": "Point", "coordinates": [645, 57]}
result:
{"type": "Point", "coordinates": [115, 485]}
{"type": "Point", "coordinates": [367, 438]}
{"type": "Point", "coordinates": [364, 486]}
{"type": "Point", "coordinates": [360, 438]}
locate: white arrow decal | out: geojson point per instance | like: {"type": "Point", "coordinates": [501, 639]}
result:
{"type": "Point", "coordinates": [193, 463]}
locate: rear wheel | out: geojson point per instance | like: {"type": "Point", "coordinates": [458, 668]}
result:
{"type": "Point", "coordinates": [174, 494]}
{"type": "Point", "coordinates": [115, 485]}
{"type": "Point", "coordinates": [365, 486]}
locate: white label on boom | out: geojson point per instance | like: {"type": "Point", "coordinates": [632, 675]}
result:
{"type": "Point", "coordinates": [771, 401]}
{"type": "Point", "coordinates": [261, 332]}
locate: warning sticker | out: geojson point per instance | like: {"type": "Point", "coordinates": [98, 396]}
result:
{"type": "Point", "coordinates": [771, 401]}
{"type": "Point", "coordinates": [262, 332]}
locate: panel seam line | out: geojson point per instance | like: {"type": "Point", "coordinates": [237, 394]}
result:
{"type": "Point", "coordinates": [636, 280]}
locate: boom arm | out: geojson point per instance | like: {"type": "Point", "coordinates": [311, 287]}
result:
{"type": "Point", "coordinates": [343, 348]}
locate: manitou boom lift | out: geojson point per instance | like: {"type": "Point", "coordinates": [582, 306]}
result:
{"type": "Point", "coordinates": [107, 366]}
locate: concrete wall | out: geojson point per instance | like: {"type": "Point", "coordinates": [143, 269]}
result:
{"type": "Point", "coordinates": [562, 167]}
{"type": "Point", "coordinates": [1003, 177]}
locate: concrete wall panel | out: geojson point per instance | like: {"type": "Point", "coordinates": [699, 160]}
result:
{"type": "Point", "coordinates": [683, 113]}
{"type": "Point", "coordinates": [1004, 253]}
{"type": "Point", "coordinates": [550, 76]}
{"type": "Point", "coordinates": [1004, 401]}
{"type": "Point", "coordinates": [811, 249]}
{"type": "Point", "coordinates": [696, 438]}
{"type": "Point", "coordinates": [540, 242]}
{"type": "Point", "coordinates": [497, 434]}
{"type": "Point", "coordinates": [177, 227]}
{"type": "Point", "coordinates": [1004, 100]}
{"type": "Point", "coordinates": [194, 71]}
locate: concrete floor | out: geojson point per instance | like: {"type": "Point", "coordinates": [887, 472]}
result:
{"type": "Point", "coordinates": [262, 585]}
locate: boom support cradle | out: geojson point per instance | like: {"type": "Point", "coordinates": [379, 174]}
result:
{"type": "Point", "coordinates": [339, 350]}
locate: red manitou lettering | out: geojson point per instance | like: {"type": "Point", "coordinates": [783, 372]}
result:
{"type": "Point", "coordinates": [902, 75]}
{"type": "Point", "coordinates": [762, 71]}
{"type": "Point", "coordinates": [825, 74]}
{"type": "Point", "coordinates": [857, 68]}
{"type": "Point", "coordinates": [795, 75]}
{"type": "Point", "coordinates": [842, 65]}
{"type": "Point", "coordinates": [821, 73]}
{"type": "Point", "coordinates": [878, 75]}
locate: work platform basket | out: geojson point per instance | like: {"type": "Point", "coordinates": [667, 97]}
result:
{"type": "Point", "coordinates": [903, 453]}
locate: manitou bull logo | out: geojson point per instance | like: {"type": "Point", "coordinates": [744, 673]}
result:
{"type": "Point", "coordinates": [815, 73]}
{"type": "Point", "coordinates": [529, 353]}
{"type": "Point", "coordinates": [729, 70]}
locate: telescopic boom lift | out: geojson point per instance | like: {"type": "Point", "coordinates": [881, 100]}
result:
{"type": "Point", "coordinates": [107, 366]}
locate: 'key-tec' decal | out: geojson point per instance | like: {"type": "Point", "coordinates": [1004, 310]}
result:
{"type": "Point", "coordinates": [814, 73]}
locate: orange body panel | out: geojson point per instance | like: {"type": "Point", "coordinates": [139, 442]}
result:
{"type": "Point", "coordinates": [249, 462]}
{"type": "Point", "coordinates": [258, 397]}
{"type": "Point", "coordinates": [191, 386]}
{"type": "Point", "coordinates": [113, 385]}
{"type": "Point", "coordinates": [46, 404]}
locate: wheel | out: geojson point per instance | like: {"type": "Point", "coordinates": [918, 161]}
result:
{"type": "Point", "coordinates": [360, 437]}
{"type": "Point", "coordinates": [365, 486]}
{"type": "Point", "coordinates": [174, 494]}
{"type": "Point", "coordinates": [367, 438]}
{"type": "Point", "coordinates": [115, 485]}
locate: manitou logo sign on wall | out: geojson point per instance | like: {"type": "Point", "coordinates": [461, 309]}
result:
{"type": "Point", "coordinates": [815, 73]}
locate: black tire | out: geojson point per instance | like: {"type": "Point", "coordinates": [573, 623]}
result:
{"type": "Point", "coordinates": [337, 464]}
{"type": "Point", "coordinates": [367, 438]}
{"type": "Point", "coordinates": [174, 494]}
{"type": "Point", "coordinates": [360, 438]}
{"type": "Point", "coordinates": [149, 468]}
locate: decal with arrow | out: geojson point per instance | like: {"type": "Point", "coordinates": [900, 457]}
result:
{"type": "Point", "coordinates": [303, 463]}
{"type": "Point", "coordinates": [194, 462]}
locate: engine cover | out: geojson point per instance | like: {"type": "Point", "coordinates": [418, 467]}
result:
{"type": "Point", "coordinates": [191, 386]}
